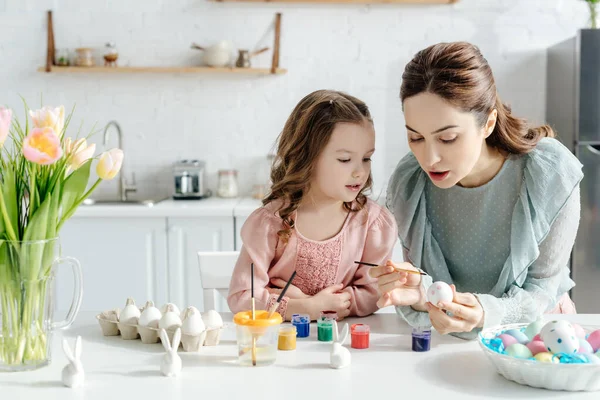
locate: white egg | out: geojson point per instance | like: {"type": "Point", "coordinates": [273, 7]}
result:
{"type": "Point", "coordinates": [165, 308]}
{"type": "Point", "coordinates": [439, 292]}
{"type": "Point", "coordinates": [192, 324]}
{"type": "Point", "coordinates": [150, 316]}
{"type": "Point", "coordinates": [212, 319]}
{"type": "Point", "coordinates": [169, 320]}
{"type": "Point", "coordinates": [130, 313]}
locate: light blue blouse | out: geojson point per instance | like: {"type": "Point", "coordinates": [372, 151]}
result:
{"type": "Point", "coordinates": [508, 241]}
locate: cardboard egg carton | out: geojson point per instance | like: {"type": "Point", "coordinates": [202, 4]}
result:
{"type": "Point", "coordinates": [111, 326]}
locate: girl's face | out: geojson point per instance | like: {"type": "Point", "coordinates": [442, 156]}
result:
{"type": "Point", "coordinates": [344, 165]}
{"type": "Point", "coordinates": [447, 142]}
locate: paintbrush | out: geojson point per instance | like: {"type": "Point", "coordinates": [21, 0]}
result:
{"type": "Point", "coordinates": [253, 312]}
{"type": "Point", "coordinates": [410, 271]}
{"type": "Point", "coordinates": [285, 288]}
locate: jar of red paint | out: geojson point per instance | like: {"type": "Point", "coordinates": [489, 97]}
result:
{"type": "Point", "coordinates": [359, 334]}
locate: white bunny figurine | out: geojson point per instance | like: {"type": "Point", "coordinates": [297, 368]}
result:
{"type": "Point", "coordinates": [340, 356]}
{"type": "Point", "coordinates": [72, 374]}
{"type": "Point", "coordinates": [171, 362]}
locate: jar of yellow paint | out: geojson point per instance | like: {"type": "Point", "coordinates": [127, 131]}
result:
{"type": "Point", "coordinates": [287, 338]}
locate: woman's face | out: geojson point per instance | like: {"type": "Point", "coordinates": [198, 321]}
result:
{"type": "Point", "coordinates": [447, 142]}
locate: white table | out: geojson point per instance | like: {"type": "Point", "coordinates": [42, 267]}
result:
{"type": "Point", "coordinates": [120, 369]}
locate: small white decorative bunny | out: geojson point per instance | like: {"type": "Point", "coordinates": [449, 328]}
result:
{"type": "Point", "coordinates": [171, 362]}
{"type": "Point", "coordinates": [72, 374]}
{"type": "Point", "coordinates": [340, 356]}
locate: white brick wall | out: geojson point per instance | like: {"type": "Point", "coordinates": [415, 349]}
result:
{"type": "Point", "coordinates": [232, 121]}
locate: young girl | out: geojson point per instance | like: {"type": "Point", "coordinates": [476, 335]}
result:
{"type": "Point", "coordinates": [317, 220]}
{"type": "Point", "coordinates": [483, 201]}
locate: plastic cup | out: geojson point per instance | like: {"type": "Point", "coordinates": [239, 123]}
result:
{"type": "Point", "coordinates": [260, 334]}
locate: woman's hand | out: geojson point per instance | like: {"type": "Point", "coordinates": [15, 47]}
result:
{"type": "Point", "coordinates": [467, 314]}
{"type": "Point", "coordinates": [398, 288]}
{"type": "Point", "coordinates": [293, 292]}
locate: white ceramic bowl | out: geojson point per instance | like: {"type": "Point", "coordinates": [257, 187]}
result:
{"type": "Point", "coordinates": [569, 377]}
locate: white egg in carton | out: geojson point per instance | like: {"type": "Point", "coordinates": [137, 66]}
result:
{"type": "Point", "coordinates": [197, 329]}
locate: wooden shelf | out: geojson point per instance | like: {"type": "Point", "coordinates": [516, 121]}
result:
{"type": "Point", "coordinates": [343, 1]}
{"type": "Point", "coordinates": [164, 70]}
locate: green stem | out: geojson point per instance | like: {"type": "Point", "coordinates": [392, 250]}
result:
{"type": "Point", "coordinates": [593, 14]}
{"type": "Point", "coordinates": [9, 228]}
{"type": "Point", "coordinates": [69, 213]}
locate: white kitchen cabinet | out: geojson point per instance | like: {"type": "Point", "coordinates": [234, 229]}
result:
{"type": "Point", "coordinates": [187, 236]}
{"type": "Point", "coordinates": [120, 257]}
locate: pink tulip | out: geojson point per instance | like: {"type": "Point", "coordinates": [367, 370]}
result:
{"type": "Point", "coordinates": [42, 146]}
{"type": "Point", "coordinates": [5, 117]}
{"type": "Point", "coordinates": [109, 164]}
{"type": "Point", "coordinates": [78, 152]}
{"type": "Point", "coordinates": [49, 117]}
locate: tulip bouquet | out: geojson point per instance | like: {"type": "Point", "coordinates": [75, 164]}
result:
{"type": "Point", "coordinates": [43, 179]}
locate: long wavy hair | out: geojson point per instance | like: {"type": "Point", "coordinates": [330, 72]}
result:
{"type": "Point", "coordinates": [460, 74]}
{"type": "Point", "coordinates": [305, 134]}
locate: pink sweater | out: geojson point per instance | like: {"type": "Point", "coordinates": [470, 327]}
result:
{"type": "Point", "coordinates": [367, 235]}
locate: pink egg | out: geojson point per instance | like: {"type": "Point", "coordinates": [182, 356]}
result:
{"type": "Point", "coordinates": [507, 340]}
{"type": "Point", "coordinates": [536, 346]}
{"type": "Point", "coordinates": [594, 340]}
{"type": "Point", "coordinates": [536, 338]}
{"type": "Point", "coordinates": [579, 332]}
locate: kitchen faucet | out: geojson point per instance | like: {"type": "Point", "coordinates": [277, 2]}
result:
{"type": "Point", "coordinates": [124, 186]}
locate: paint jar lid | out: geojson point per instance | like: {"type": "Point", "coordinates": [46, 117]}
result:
{"type": "Point", "coordinates": [360, 329]}
{"type": "Point", "coordinates": [300, 318]}
{"type": "Point", "coordinates": [287, 330]}
{"type": "Point", "coordinates": [329, 315]}
{"type": "Point", "coordinates": [421, 331]}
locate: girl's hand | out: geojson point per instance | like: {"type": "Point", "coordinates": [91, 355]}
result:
{"type": "Point", "coordinates": [293, 292]}
{"type": "Point", "coordinates": [467, 314]}
{"type": "Point", "coordinates": [330, 299]}
{"type": "Point", "coordinates": [398, 288]}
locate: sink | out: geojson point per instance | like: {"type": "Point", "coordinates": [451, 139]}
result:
{"type": "Point", "coordinates": [148, 202]}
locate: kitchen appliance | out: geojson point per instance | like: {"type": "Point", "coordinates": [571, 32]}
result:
{"type": "Point", "coordinates": [573, 110]}
{"type": "Point", "coordinates": [189, 180]}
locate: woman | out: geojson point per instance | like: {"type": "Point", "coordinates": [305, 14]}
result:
{"type": "Point", "coordinates": [482, 202]}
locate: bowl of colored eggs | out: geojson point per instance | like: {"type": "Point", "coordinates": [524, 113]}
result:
{"type": "Point", "coordinates": [555, 355]}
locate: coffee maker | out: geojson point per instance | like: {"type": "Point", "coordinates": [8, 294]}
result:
{"type": "Point", "coordinates": [189, 180]}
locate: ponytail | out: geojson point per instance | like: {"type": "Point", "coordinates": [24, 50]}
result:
{"type": "Point", "coordinates": [512, 134]}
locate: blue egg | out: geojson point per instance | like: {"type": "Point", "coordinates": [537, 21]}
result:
{"type": "Point", "coordinates": [585, 347]}
{"type": "Point", "coordinates": [517, 334]}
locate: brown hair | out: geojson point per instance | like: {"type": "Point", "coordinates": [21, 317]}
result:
{"type": "Point", "coordinates": [460, 74]}
{"type": "Point", "coordinates": [306, 132]}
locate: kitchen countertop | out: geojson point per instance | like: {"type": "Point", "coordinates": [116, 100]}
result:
{"type": "Point", "coordinates": [210, 207]}
{"type": "Point", "coordinates": [115, 368]}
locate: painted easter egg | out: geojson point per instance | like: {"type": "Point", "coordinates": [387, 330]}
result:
{"type": "Point", "coordinates": [561, 340]}
{"type": "Point", "coordinates": [534, 328]}
{"type": "Point", "coordinates": [536, 338]}
{"type": "Point", "coordinates": [507, 340]}
{"type": "Point", "coordinates": [584, 347]}
{"type": "Point", "coordinates": [594, 339]}
{"type": "Point", "coordinates": [536, 346]}
{"type": "Point", "coordinates": [439, 292]}
{"type": "Point", "coordinates": [517, 334]}
{"type": "Point", "coordinates": [518, 350]}
{"type": "Point", "coordinates": [546, 357]}
{"type": "Point", "coordinates": [556, 324]}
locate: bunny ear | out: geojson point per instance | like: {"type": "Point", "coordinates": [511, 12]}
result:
{"type": "Point", "coordinates": [78, 348]}
{"type": "Point", "coordinates": [67, 350]}
{"type": "Point", "coordinates": [176, 339]}
{"type": "Point", "coordinates": [164, 338]}
{"type": "Point", "coordinates": [335, 331]}
{"type": "Point", "coordinates": [344, 334]}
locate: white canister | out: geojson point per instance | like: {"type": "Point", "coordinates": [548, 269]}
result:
{"type": "Point", "coordinates": [228, 183]}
